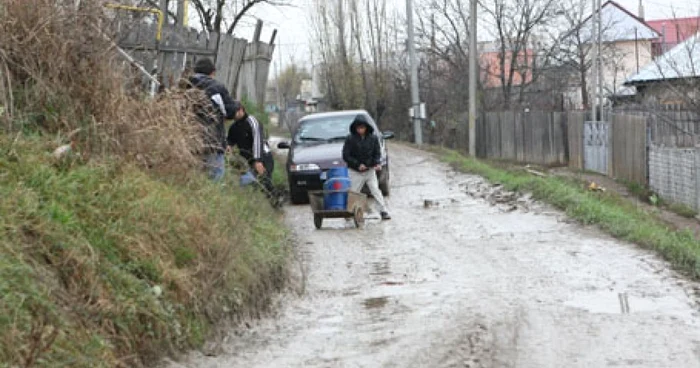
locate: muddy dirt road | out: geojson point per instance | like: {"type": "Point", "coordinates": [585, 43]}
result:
{"type": "Point", "coordinates": [476, 278]}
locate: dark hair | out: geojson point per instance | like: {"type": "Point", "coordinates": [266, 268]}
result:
{"type": "Point", "coordinates": [237, 105]}
{"type": "Point", "coordinates": [204, 66]}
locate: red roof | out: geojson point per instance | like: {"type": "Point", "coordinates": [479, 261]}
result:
{"type": "Point", "coordinates": [676, 30]}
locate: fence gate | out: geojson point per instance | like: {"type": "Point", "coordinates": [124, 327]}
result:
{"type": "Point", "coordinates": [596, 142]}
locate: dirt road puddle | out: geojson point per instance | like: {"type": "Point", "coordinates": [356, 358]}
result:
{"type": "Point", "coordinates": [611, 302]}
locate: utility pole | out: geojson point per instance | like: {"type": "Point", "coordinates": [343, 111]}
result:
{"type": "Point", "coordinates": [594, 61]}
{"type": "Point", "coordinates": [472, 76]}
{"type": "Point", "coordinates": [601, 97]}
{"type": "Point", "coordinates": [415, 93]}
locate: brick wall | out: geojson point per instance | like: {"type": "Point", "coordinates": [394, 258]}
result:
{"type": "Point", "coordinates": [673, 174]}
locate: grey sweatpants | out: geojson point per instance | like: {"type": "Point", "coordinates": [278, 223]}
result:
{"type": "Point", "coordinates": [369, 177]}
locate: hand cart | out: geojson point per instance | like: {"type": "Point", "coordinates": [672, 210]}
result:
{"type": "Point", "coordinates": [355, 208]}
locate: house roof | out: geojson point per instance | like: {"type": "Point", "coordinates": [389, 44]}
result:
{"type": "Point", "coordinates": [618, 24]}
{"type": "Point", "coordinates": [682, 61]}
{"type": "Point", "coordinates": [677, 30]}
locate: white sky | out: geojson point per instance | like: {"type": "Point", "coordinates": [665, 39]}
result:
{"type": "Point", "coordinates": [294, 26]}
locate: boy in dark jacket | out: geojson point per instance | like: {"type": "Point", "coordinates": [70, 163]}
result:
{"type": "Point", "coordinates": [212, 115]}
{"type": "Point", "coordinates": [248, 135]}
{"type": "Point", "coordinates": [363, 155]}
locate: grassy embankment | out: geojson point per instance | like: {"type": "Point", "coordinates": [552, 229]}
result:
{"type": "Point", "coordinates": [121, 251]}
{"type": "Point", "coordinates": [104, 264]}
{"type": "Point", "coordinates": [608, 211]}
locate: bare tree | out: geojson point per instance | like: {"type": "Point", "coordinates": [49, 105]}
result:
{"type": "Point", "coordinates": [290, 80]}
{"type": "Point", "coordinates": [515, 25]}
{"type": "Point", "coordinates": [222, 16]}
{"type": "Point", "coordinates": [354, 50]}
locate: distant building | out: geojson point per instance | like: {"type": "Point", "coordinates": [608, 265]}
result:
{"type": "Point", "coordinates": [673, 77]}
{"type": "Point", "coordinates": [673, 32]}
{"type": "Point", "coordinates": [627, 46]}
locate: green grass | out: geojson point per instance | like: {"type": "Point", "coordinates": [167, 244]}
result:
{"type": "Point", "coordinates": [646, 195]}
{"type": "Point", "coordinates": [103, 265]}
{"type": "Point", "coordinates": [608, 211]}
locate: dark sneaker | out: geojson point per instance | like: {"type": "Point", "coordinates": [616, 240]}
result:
{"type": "Point", "coordinates": [385, 215]}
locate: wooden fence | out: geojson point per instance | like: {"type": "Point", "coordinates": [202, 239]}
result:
{"type": "Point", "coordinates": [242, 67]}
{"type": "Point", "coordinates": [629, 148]}
{"type": "Point", "coordinates": [575, 128]}
{"type": "Point", "coordinates": [528, 137]}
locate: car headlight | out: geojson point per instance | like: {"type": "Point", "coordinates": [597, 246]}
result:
{"type": "Point", "coordinates": [304, 167]}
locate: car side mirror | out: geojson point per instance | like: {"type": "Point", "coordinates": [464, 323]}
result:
{"type": "Point", "coordinates": [388, 135]}
{"type": "Point", "coordinates": [283, 145]}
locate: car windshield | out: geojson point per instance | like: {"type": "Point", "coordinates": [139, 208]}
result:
{"type": "Point", "coordinates": [324, 129]}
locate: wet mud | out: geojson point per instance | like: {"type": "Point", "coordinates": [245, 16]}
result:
{"type": "Point", "coordinates": [468, 275]}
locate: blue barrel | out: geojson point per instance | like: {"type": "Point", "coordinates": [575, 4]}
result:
{"type": "Point", "coordinates": [338, 172]}
{"type": "Point", "coordinates": [338, 182]}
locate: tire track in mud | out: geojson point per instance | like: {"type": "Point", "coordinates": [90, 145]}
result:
{"type": "Point", "coordinates": [467, 275]}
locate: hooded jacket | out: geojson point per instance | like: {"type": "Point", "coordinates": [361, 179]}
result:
{"type": "Point", "coordinates": [212, 115]}
{"type": "Point", "coordinates": [359, 150]}
{"type": "Point", "coordinates": [247, 133]}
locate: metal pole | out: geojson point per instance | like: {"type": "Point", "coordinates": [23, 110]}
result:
{"type": "Point", "coordinates": [601, 97]}
{"type": "Point", "coordinates": [415, 93]}
{"type": "Point", "coordinates": [594, 61]}
{"type": "Point", "coordinates": [472, 77]}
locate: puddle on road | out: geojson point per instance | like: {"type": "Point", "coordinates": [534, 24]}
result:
{"type": "Point", "coordinates": [375, 303]}
{"type": "Point", "coordinates": [609, 302]}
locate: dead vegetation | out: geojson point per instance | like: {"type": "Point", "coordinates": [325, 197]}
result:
{"type": "Point", "coordinates": [118, 252]}
{"type": "Point", "coordinates": [61, 74]}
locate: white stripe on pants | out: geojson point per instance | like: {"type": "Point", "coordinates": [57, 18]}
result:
{"type": "Point", "coordinates": [369, 177]}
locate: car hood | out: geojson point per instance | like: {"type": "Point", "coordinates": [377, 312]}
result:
{"type": "Point", "coordinates": [324, 155]}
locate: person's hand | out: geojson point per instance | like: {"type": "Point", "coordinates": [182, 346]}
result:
{"type": "Point", "coordinates": [378, 168]}
{"type": "Point", "coordinates": [363, 167]}
{"type": "Point", "coordinates": [259, 168]}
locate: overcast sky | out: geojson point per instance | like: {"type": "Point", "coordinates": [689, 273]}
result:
{"type": "Point", "coordinates": [294, 28]}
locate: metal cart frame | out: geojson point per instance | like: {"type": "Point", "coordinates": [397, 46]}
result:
{"type": "Point", "coordinates": [355, 208]}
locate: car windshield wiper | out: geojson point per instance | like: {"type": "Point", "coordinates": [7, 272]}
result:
{"type": "Point", "coordinates": [312, 139]}
{"type": "Point", "coordinates": [337, 138]}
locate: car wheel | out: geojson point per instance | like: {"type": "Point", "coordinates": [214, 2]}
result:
{"type": "Point", "coordinates": [384, 184]}
{"type": "Point", "coordinates": [298, 196]}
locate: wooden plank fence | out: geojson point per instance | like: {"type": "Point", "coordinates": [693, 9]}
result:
{"type": "Point", "coordinates": [242, 66]}
{"type": "Point", "coordinates": [575, 122]}
{"type": "Point", "coordinates": [629, 148]}
{"type": "Point", "coordinates": [528, 137]}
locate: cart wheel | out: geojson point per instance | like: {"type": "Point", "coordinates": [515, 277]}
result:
{"type": "Point", "coordinates": [318, 221]}
{"type": "Point", "coordinates": [359, 217]}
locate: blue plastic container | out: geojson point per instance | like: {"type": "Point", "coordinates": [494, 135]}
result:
{"type": "Point", "coordinates": [338, 172]}
{"type": "Point", "coordinates": [339, 183]}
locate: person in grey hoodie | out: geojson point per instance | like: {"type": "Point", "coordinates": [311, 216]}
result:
{"type": "Point", "coordinates": [212, 116]}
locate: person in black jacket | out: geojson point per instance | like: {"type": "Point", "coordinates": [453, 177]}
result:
{"type": "Point", "coordinates": [212, 116]}
{"type": "Point", "coordinates": [248, 135]}
{"type": "Point", "coordinates": [362, 153]}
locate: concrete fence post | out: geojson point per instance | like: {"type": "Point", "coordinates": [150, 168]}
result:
{"type": "Point", "coordinates": [696, 177]}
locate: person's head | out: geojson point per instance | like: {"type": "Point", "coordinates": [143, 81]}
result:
{"type": "Point", "coordinates": [360, 125]}
{"type": "Point", "coordinates": [239, 110]}
{"type": "Point", "coordinates": [205, 66]}
{"type": "Point", "coordinates": [361, 129]}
